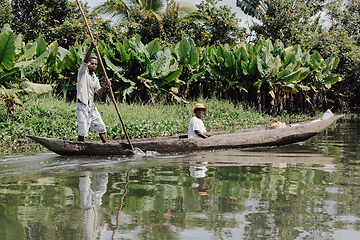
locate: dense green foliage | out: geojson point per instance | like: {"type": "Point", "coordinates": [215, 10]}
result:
{"type": "Point", "coordinates": [328, 27]}
{"type": "Point", "coordinates": [201, 54]}
{"type": "Point", "coordinates": [266, 73]}
{"type": "Point", "coordinates": [55, 20]}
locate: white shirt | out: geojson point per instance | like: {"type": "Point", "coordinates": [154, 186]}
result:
{"type": "Point", "coordinates": [196, 124]}
{"type": "Point", "coordinates": [87, 85]}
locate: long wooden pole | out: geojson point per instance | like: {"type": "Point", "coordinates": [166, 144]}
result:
{"type": "Point", "coordinates": [107, 79]}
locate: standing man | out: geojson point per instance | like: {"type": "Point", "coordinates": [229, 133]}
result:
{"type": "Point", "coordinates": [196, 125]}
{"type": "Point", "coordinates": [87, 85]}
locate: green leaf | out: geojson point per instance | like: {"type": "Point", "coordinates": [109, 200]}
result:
{"type": "Point", "coordinates": [275, 66]}
{"type": "Point", "coordinates": [244, 54]}
{"type": "Point", "coordinates": [253, 71]}
{"type": "Point", "coordinates": [41, 46]}
{"type": "Point", "coordinates": [29, 54]}
{"type": "Point", "coordinates": [230, 63]}
{"type": "Point", "coordinates": [292, 77]}
{"type": "Point", "coordinates": [19, 44]}
{"type": "Point", "coordinates": [305, 59]}
{"type": "Point", "coordinates": [244, 68]}
{"type": "Point", "coordinates": [289, 58]}
{"type": "Point", "coordinates": [7, 50]}
{"type": "Point", "coordinates": [153, 47]}
{"type": "Point", "coordinates": [161, 63]}
{"type": "Point", "coordinates": [124, 56]}
{"type": "Point", "coordinates": [315, 60]}
{"type": "Point", "coordinates": [268, 46]}
{"type": "Point", "coordinates": [184, 48]}
{"type": "Point", "coordinates": [62, 52]}
{"type": "Point", "coordinates": [195, 78]}
{"type": "Point", "coordinates": [29, 67]}
{"type": "Point", "coordinates": [259, 66]}
{"type": "Point", "coordinates": [332, 79]}
{"type": "Point", "coordinates": [174, 75]}
{"type": "Point", "coordinates": [288, 50]}
{"type": "Point", "coordinates": [221, 53]}
{"type": "Point", "coordinates": [8, 76]}
{"type": "Point", "coordinates": [35, 87]}
{"type": "Point", "coordinates": [304, 72]}
{"type": "Point", "coordinates": [5, 28]}
{"type": "Point", "coordinates": [113, 67]}
{"type": "Point", "coordinates": [288, 70]}
{"type": "Point", "coordinates": [193, 56]}
{"type": "Point", "coordinates": [11, 95]}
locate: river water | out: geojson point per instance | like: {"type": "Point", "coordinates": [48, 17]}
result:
{"type": "Point", "coordinates": [309, 190]}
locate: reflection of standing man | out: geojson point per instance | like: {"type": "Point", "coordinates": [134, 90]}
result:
{"type": "Point", "coordinates": [197, 170]}
{"type": "Point", "coordinates": [90, 199]}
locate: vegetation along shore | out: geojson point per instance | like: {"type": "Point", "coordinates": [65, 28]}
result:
{"type": "Point", "coordinates": [47, 116]}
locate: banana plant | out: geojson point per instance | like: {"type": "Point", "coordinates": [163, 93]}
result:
{"type": "Point", "coordinates": [141, 70]}
{"type": "Point", "coordinates": [225, 66]}
{"type": "Point", "coordinates": [12, 84]}
{"type": "Point", "coordinates": [125, 62]}
{"type": "Point", "coordinates": [321, 77]}
{"type": "Point", "coordinates": [191, 58]}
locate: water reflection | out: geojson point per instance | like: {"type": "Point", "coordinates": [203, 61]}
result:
{"type": "Point", "coordinates": [306, 191]}
{"type": "Point", "coordinates": [91, 192]}
{"type": "Point", "coordinates": [197, 170]}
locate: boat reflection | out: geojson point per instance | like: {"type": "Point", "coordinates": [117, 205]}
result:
{"type": "Point", "coordinates": [255, 157]}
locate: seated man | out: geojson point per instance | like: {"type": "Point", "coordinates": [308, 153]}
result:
{"type": "Point", "coordinates": [196, 125]}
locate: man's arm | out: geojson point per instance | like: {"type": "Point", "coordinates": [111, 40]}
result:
{"type": "Point", "coordinates": [203, 135]}
{"type": "Point", "coordinates": [88, 54]}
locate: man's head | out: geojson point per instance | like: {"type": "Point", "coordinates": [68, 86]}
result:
{"type": "Point", "coordinates": [199, 110]}
{"type": "Point", "coordinates": [93, 64]}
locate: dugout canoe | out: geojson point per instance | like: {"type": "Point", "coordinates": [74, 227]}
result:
{"type": "Point", "coordinates": [257, 137]}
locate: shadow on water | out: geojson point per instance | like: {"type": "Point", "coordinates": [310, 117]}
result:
{"type": "Point", "coordinates": [299, 191]}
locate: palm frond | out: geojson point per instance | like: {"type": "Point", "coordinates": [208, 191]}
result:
{"type": "Point", "coordinates": [249, 7]}
{"type": "Point", "coordinates": [113, 8]}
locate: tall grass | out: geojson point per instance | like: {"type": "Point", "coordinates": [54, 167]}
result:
{"type": "Point", "coordinates": [50, 117]}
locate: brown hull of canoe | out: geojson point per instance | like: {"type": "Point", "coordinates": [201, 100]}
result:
{"type": "Point", "coordinates": [292, 133]}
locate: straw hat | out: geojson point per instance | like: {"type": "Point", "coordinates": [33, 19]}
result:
{"type": "Point", "coordinates": [199, 105]}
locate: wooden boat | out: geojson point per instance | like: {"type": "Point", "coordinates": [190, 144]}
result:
{"type": "Point", "coordinates": [247, 138]}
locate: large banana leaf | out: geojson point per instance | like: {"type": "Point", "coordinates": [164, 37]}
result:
{"type": "Point", "coordinates": [31, 66]}
{"type": "Point", "coordinates": [121, 53]}
{"type": "Point", "coordinates": [7, 50]}
{"type": "Point", "coordinates": [62, 52]}
{"type": "Point", "coordinates": [230, 64]}
{"type": "Point", "coordinates": [315, 61]}
{"type": "Point", "coordinates": [252, 69]}
{"type": "Point", "coordinates": [41, 46]}
{"type": "Point", "coordinates": [11, 95]}
{"type": "Point", "coordinates": [183, 50]}
{"type": "Point", "coordinates": [19, 44]}
{"type": "Point", "coordinates": [28, 54]}
{"type": "Point", "coordinates": [290, 58]}
{"type": "Point", "coordinates": [117, 69]}
{"type": "Point", "coordinates": [8, 76]}
{"type": "Point", "coordinates": [193, 57]}
{"type": "Point", "coordinates": [153, 47]}
{"type": "Point", "coordinates": [73, 60]}
{"type": "Point", "coordinates": [37, 88]}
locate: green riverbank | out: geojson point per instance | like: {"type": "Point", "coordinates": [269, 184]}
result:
{"type": "Point", "coordinates": [49, 117]}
